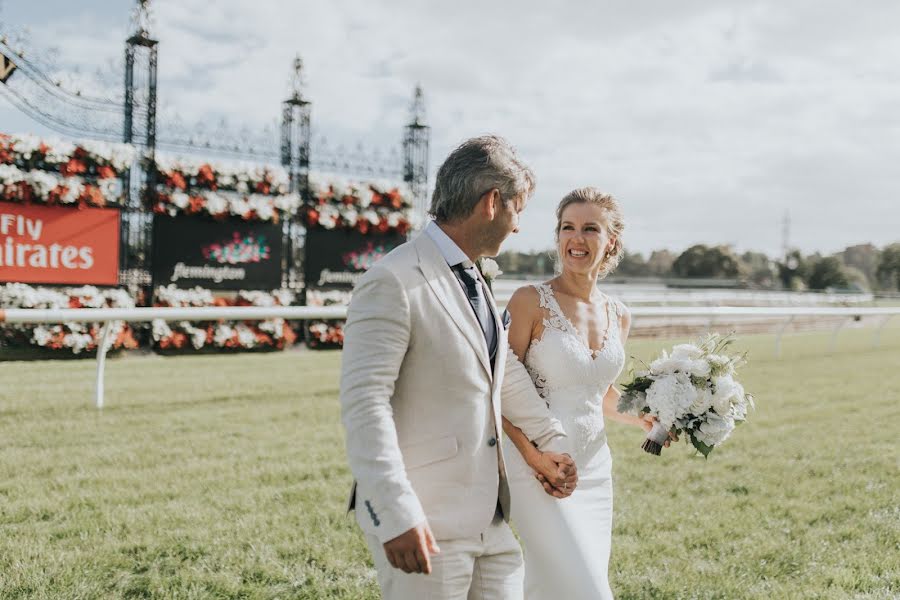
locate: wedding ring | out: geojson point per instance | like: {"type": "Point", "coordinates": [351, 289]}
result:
{"type": "Point", "coordinates": [566, 485]}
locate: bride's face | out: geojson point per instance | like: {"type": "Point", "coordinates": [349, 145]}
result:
{"type": "Point", "coordinates": [583, 239]}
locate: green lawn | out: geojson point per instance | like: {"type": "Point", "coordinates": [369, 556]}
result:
{"type": "Point", "coordinates": [224, 477]}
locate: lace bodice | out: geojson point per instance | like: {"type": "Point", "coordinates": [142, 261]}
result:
{"type": "Point", "coordinates": [569, 375]}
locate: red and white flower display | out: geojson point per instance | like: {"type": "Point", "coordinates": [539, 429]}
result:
{"type": "Point", "coordinates": [378, 206]}
{"type": "Point", "coordinates": [74, 337]}
{"type": "Point", "coordinates": [101, 160]}
{"type": "Point", "coordinates": [52, 171]}
{"type": "Point", "coordinates": [326, 333]}
{"type": "Point", "coordinates": [271, 333]}
{"type": "Point", "coordinates": [223, 189]}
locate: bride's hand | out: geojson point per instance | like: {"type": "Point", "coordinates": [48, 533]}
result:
{"type": "Point", "coordinates": [557, 473]}
{"type": "Point", "coordinates": [647, 421]}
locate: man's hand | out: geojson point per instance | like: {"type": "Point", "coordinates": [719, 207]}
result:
{"type": "Point", "coordinates": [411, 551]}
{"type": "Point", "coordinates": [557, 473]}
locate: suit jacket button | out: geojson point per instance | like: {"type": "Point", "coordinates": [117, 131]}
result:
{"type": "Point", "coordinates": [492, 442]}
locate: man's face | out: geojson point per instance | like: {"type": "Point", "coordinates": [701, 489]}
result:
{"type": "Point", "coordinates": [506, 221]}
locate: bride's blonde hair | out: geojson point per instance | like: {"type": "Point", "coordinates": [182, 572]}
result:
{"type": "Point", "coordinates": [613, 221]}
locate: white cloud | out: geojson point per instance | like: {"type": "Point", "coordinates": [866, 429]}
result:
{"type": "Point", "coordinates": [707, 120]}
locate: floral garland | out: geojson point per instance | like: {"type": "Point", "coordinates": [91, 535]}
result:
{"type": "Point", "coordinates": [17, 185]}
{"type": "Point", "coordinates": [374, 206]}
{"type": "Point", "coordinates": [222, 189]}
{"type": "Point", "coordinates": [92, 159]}
{"type": "Point", "coordinates": [52, 171]}
{"type": "Point", "coordinates": [76, 337]}
{"type": "Point", "coordinates": [326, 333]}
{"type": "Point", "coordinates": [271, 333]}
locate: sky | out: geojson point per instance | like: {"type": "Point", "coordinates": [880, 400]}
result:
{"type": "Point", "coordinates": [708, 121]}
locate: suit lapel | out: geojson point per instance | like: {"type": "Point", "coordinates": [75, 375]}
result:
{"type": "Point", "coordinates": [449, 293]}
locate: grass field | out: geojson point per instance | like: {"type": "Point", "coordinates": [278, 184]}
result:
{"type": "Point", "coordinates": [224, 477]}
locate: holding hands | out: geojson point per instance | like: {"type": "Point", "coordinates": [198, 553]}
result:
{"type": "Point", "coordinates": [556, 472]}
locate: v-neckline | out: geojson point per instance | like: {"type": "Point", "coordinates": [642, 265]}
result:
{"type": "Point", "coordinates": [574, 330]}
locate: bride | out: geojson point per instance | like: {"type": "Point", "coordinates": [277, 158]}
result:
{"type": "Point", "coordinates": [570, 337]}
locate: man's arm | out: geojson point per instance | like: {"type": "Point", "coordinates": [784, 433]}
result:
{"type": "Point", "coordinates": [376, 338]}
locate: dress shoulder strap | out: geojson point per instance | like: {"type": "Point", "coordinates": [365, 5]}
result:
{"type": "Point", "coordinates": [555, 318]}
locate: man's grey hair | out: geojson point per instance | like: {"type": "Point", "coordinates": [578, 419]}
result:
{"type": "Point", "coordinates": [477, 166]}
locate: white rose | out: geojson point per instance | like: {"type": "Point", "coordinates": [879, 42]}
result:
{"type": "Point", "coordinates": [489, 268]}
{"type": "Point", "coordinates": [670, 398]}
{"type": "Point", "coordinates": [715, 429]}
{"type": "Point", "coordinates": [687, 351]}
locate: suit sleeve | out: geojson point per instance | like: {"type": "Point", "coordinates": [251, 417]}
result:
{"type": "Point", "coordinates": [376, 338]}
{"type": "Point", "coordinates": [525, 409]}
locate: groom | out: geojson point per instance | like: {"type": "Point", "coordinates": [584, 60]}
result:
{"type": "Point", "coordinates": [424, 366]}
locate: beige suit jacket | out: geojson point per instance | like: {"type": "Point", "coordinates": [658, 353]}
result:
{"type": "Point", "coordinates": [421, 403]}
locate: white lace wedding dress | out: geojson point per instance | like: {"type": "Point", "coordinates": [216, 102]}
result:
{"type": "Point", "coordinates": [567, 542]}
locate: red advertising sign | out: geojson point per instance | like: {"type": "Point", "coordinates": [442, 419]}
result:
{"type": "Point", "coordinates": [55, 244]}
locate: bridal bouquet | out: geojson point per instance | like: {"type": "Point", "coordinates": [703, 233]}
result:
{"type": "Point", "coordinates": [691, 390]}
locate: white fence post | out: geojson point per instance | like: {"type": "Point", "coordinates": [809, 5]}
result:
{"type": "Point", "coordinates": [103, 346]}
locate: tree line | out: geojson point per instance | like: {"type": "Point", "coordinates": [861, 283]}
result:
{"type": "Point", "coordinates": [859, 267]}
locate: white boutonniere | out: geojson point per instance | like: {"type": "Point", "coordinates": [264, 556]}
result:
{"type": "Point", "coordinates": [489, 268]}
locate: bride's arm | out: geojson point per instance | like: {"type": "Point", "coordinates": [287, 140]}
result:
{"type": "Point", "coordinates": [611, 397]}
{"type": "Point", "coordinates": [550, 465]}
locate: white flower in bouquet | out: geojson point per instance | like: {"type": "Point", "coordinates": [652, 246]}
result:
{"type": "Point", "coordinates": [702, 402]}
{"type": "Point", "coordinates": [715, 429]}
{"type": "Point", "coordinates": [686, 351]}
{"type": "Point", "coordinates": [670, 397]}
{"type": "Point", "coordinates": [724, 390]}
{"type": "Point", "coordinates": [680, 364]}
{"type": "Point", "coordinates": [242, 187]}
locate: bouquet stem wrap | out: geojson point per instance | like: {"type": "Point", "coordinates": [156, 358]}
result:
{"type": "Point", "coordinates": [655, 439]}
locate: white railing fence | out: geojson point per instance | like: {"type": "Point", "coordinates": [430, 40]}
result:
{"type": "Point", "coordinates": [108, 316]}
